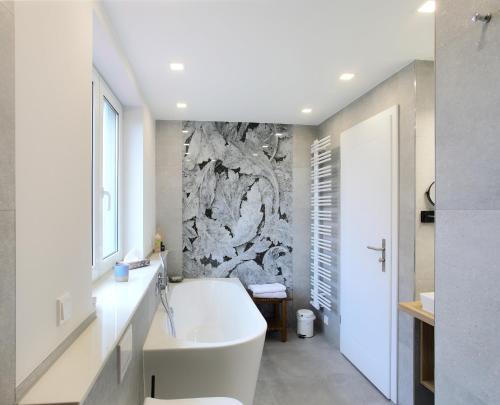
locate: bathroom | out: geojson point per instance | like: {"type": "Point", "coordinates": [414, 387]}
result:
{"type": "Point", "coordinates": [249, 202]}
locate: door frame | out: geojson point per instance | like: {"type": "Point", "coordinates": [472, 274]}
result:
{"type": "Point", "coordinates": [393, 113]}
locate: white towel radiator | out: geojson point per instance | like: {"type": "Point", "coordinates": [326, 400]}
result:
{"type": "Point", "coordinates": [321, 224]}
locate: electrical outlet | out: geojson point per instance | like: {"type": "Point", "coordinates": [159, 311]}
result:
{"type": "Point", "coordinates": [64, 309]}
{"type": "Point", "coordinates": [325, 319]}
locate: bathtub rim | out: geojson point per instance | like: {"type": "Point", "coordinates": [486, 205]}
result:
{"type": "Point", "coordinates": [176, 344]}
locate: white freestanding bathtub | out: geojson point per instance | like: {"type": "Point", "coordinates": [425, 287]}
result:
{"type": "Point", "coordinates": [218, 348]}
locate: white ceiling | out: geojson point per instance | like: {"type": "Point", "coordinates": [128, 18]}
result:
{"type": "Point", "coordinates": [265, 60]}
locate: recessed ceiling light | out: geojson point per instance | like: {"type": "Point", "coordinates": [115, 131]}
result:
{"type": "Point", "coordinates": [176, 67]}
{"type": "Point", "coordinates": [186, 144]}
{"type": "Point", "coordinates": [279, 134]}
{"type": "Point", "coordinates": [181, 105]}
{"type": "Point", "coordinates": [255, 154]}
{"type": "Point", "coordinates": [187, 153]}
{"type": "Point", "coordinates": [346, 76]}
{"type": "Point", "coordinates": [428, 7]}
{"type": "Point", "coordinates": [265, 146]}
{"type": "Point", "coordinates": [185, 131]}
{"type": "Point", "coordinates": [307, 110]}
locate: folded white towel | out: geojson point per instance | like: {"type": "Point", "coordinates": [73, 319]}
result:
{"type": "Point", "coordinates": [279, 294]}
{"type": "Point", "coordinates": [266, 288]}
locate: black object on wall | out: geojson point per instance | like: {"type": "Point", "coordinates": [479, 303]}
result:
{"type": "Point", "coordinates": [427, 217]}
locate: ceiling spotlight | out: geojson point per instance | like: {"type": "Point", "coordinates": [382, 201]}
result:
{"type": "Point", "coordinates": [177, 67]}
{"type": "Point", "coordinates": [428, 7]}
{"type": "Point", "coordinates": [279, 134]}
{"type": "Point", "coordinates": [265, 146]}
{"type": "Point", "coordinates": [255, 154]}
{"type": "Point", "coordinates": [181, 105]}
{"type": "Point", "coordinates": [185, 131]}
{"type": "Point", "coordinates": [346, 76]}
{"type": "Point", "coordinates": [187, 153]}
{"type": "Point", "coordinates": [186, 144]}
{"type": "Point", "coordinates": [306, 110]}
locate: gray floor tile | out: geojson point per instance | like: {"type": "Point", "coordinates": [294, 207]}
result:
{"type": "Point", "coordinates": [311, 372]}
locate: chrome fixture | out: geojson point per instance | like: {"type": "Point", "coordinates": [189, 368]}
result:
{"type": "Point", "coordinates": [382, 250]}
{"type": "Point", "coordinates": [162, 291]}
{"type": "Point", "coordinates": [484, 18]}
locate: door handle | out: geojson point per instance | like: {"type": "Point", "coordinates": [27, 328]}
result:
{"type": "Point", "coordinates": [382, 250]}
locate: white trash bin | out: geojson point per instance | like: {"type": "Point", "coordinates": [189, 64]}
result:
{"type": "Point", "coordinates": [305, 323]}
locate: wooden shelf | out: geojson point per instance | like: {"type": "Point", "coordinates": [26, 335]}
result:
{"type": "Point", "coordinates": [414, 308]}
{"type": "Point", "coordinates": [428, 384]}
{"type": "Point", "coordinates": [274, 325]}
{"type": "Point", "coordinates": [279, 320]}
{"type": "Point", "coordinates": [427, 355]}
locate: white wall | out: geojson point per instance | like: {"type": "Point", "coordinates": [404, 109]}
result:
{"type": "Point", "coordinates": [53, 72]}
{"type": "Point", "coordinates": [139, 135]}
{"type": "Point", "coordinates": [138, 180]}
{"type": "Point", "coordinates": [132, 180]}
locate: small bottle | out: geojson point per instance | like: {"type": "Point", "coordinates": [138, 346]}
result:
{"type": "Point", "coordinates": [158, 243]}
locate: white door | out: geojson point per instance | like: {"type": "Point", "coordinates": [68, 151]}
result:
{"type": "Point", "coordinates": [368, 286]}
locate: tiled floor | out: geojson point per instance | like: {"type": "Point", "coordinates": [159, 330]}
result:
{"type": "Point", "coordinates": [311, 372]}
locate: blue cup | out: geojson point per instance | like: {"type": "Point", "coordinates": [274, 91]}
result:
{"type": "Point", "coordinates": [121, 272]}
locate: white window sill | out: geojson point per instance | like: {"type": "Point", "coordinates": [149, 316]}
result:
{"type": "Point", "coordinates": [98, 275]}
{"type": "Point", "coordinates": [70, 379]}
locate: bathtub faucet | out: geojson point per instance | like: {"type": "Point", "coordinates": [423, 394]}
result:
{"type": "Point", "coordinates": [162, 281]}
{"type": "Point", "coordinates": [162, 291]}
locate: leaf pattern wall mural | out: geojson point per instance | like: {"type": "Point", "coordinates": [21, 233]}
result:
{"type": "Point", "coordinates": [237, 201]}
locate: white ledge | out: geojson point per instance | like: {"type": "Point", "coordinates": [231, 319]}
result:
{"type": "Point", "coordinates": [70, 379]}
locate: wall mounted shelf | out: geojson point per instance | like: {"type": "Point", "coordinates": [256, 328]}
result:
{"type": "Point", "coordinates": [426, 321]}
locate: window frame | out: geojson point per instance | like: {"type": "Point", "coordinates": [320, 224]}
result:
{"type": "Point", "coordinates": [100, 93]}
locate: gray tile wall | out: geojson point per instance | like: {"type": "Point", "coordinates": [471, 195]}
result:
{"type": "Point", "coordinates": [424, 174]}
{"type": "Point", "coordinates": [468, 203]}
{"type": "Point", "coordinates": [7, 208]}
{"type": "Point", "coordinates": [303, 137]}
{"type": "Point", "coordinates": [169, 154]}
{"type": "Point", "coordinates": [106, 389]}
{"type": "Point", "coordinates": [397, 90]}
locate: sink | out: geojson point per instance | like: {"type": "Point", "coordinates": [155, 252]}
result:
{"type": "Point", "coordinates": [427, 300]}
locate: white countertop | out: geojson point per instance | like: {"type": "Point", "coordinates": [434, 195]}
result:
{"type": "Point", "coordinates": [71, 377]}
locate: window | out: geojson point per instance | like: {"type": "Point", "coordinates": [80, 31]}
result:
{"type": "Point", "coordinates": [109, 179]}
{"type": "Point", "coordinates": [106, 118]}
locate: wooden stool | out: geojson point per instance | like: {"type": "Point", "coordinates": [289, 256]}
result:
{"type": "Point", "coordinates": [279, 319]}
